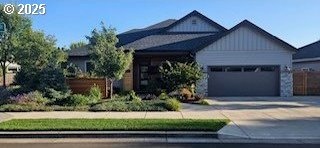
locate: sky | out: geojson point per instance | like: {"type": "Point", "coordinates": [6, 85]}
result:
{"type": "Point", "coordinates": [294, 21]}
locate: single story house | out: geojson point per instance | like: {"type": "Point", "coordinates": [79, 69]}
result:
{"type": "Point", "coordinates": [242, 61]}
{"type": "Point", "coordinates": [307, 58]}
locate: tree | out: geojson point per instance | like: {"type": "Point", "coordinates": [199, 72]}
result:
{"type": "Point", "coordinates": [110, 62]}
{"type": "Point", "coordinates": [178, 75]}
{"type": "Point", "coordinates": [77, 44]}
{"type": "Point", "coordinates": [16, 24]}
{"type": "Point", "coordinates": [38, 51]}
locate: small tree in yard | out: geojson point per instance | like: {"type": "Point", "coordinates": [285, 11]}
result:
{"type": "Point", "coordinates": [178, 75]}
{"type": "Point", "coordinates": [110, 62]}
{"type": "Point", "coordinates": [15, 25]}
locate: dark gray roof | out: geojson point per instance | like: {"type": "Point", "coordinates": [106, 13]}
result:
{"type": "Point", "coordinates": [309, 51]}
{"type": "Point", "coordinates": [135, 34]}
{"type": "Point", "coordinates": [82, 51]}
{"type": "Point", "coordinates": [170, 42]}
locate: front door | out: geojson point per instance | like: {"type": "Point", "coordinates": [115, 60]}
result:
{"type": "Point", "coordinates": [144, 77]}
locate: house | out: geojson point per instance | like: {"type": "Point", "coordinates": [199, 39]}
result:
{"type": "Point", "coordinates": [307, 58]}
{"type": "Point", "coordinates": [242, 61]}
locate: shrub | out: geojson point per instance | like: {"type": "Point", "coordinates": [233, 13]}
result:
{"type": "Point", "coordinates": [110, 106]}
{"type": "Point", "coordinates": [173, 105]}
{"type": "Point", "coordinates": [163, 96]}
{"type": "Point", "coordinates": [133, 97]}
{"type": "Point", "coordinates": [23, 108]}
{"type": "Point", "coordinates": [77, 100]}
{"type": "Point", "coordinates": [94, 94]}
{"type": "Point", "coordinates": [30, 98]}
{"type": "Point", "coordinates": [203, 102]}
{"type": "Point", "coordinates": [55, 96]}
{"type": "Point", "coordinates": [42, 79]}
{"type": "Point", "coordinates": [69, 108]}
{"type": "Point", "coordinates": [177, 75]}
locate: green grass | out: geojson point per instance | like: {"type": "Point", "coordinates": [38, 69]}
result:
{"type": "Point", "coordinates": [112, 125]}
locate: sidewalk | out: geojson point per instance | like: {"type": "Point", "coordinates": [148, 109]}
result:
{"type": "Point", "coordinates": [117, 115]}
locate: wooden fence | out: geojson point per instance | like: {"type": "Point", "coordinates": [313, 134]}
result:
{"type": "Point", "coordinates": [83, 85]}
{"type": "Point", "coordinates": [306, 83]}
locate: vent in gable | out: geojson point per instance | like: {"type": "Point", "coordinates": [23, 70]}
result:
{"type": "Point", "coordinates": [194, 22]}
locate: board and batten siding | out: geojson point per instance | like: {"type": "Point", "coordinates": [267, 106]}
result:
{"type": "Point", "coordinates": [188, 26]}
{"type": "Point", "coordinates": [245, 46]}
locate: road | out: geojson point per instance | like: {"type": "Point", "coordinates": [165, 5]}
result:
{"type": "Point", "coordinates": [155, 145]}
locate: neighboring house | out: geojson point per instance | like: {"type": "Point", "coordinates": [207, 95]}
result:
{"type": "Point", "coordinates": [242, 61]}
{"type": "Point", "coordinates": [307, 58]}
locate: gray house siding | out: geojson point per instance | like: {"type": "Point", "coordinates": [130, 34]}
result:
{"type": "Point", "coordinates": [80, 62]}
{"type": "Point", "coordinates": [245, 46]}
{"type": "Point", "coordinates": [188, 26]}
{"type": "Point", "coordinates": [312, 65]}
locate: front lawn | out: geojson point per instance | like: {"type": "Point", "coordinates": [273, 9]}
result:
{"type": "Point", "coordinates": [113, 125]}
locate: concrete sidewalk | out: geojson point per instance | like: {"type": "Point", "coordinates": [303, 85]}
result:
{"type": "Point", "coordinates": [118, 115]}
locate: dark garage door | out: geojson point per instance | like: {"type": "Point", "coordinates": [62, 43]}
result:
{"type": "Point", "coordinates": [243, 81]}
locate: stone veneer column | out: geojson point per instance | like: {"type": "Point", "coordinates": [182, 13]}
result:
{"type": "Point", "coordinates": [286, 84]}
{"type": "Point", "coordinates": [202, 86]}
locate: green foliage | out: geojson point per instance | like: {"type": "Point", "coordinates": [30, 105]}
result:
{"type": "Point", "coordinates": [173, 105]}
{"type": "Point", "coordinates": [95, 94]}
{"type": "Point", "coordinates": [119, 105]}
{"type": "Point", "coordinates": [178, 75]}
{"type": "Point", "coordinates": [35, 98]}
{"type": "Point", "coordinates": [75, 45]}
{"type": "Point", "coordinates": [23, 108]}
{"type": "Point", "coordinates": [163, 96]}
{"type": "Point", "coordinates": [110, 106]}
{"type": "Point", "coordinates": [38, 51]}
{"type": "Point", "coordinates": [110, 62]}
{"type": "Point", "coordinates": [16, 26]}
{"type": "Point", "coordinates": [72, 70]}
{"type": "Point", "coordinates": [74, 100]}
{"type": "Point", "coordinates": [133, 97]}
{"type": "Point", "coordinates": [212, 125]}
{"type": "Point", "coordinates": [203, 102]}
{"type": "Point", "coordinates": [42, 80]}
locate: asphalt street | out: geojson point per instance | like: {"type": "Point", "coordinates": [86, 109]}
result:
{"type": "Point", "coordinates": [156, 145]}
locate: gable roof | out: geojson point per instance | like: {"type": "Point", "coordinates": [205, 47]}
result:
{"type": "Point", "coordinates": [309, 51]}
{"type": "Point", "coordinates": [170, 42]}
{"type": "Point", "coordinates": [198, 14]}
{"type": "Point", "coordinates": [157, 38]}
{"type": "Point", "coordinates": [247, 23]}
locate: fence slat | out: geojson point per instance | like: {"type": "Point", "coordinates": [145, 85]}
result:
{"type": "Point", "coordinates": [306, 83]}
{"type": "Point", "coordinates": [83, 85]}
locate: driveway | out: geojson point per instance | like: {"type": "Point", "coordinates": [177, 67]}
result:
{"type": "Point", "coordinates": [270, 117]}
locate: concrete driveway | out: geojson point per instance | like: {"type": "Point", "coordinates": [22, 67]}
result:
{"type": "Point", "coordinates": [270, 117]}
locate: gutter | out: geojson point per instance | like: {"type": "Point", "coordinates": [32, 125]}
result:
{"type": "Point", "coordinates": [306, 60]}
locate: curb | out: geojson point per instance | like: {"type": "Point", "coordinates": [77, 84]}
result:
{"type": "Point", "coordinates": [108, 134]}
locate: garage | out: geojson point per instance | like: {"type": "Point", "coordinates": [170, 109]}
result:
{"type": "Point", "coordinates": [243, 81]}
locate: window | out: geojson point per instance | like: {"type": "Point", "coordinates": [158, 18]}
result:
{"type": "Point", "coordinates": [268, 69]}
{"type": "Point", "coordinates": [217, 69]}
{"type": "Point", "coordinates": [144, 77]}
{"type": "Point", "coordinates": [234, 69]}
{"type": "Point", "coordinates": [89, 67]}
{"type": "Point", "coordinates": [251, 69]}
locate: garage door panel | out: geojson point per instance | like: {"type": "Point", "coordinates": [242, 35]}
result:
{"type": "Point", "coordinates": [262, 83]}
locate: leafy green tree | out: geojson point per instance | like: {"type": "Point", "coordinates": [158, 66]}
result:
{"type": "Point", "coordinates": [77, 44]}
{"type": "Point", "coordinates": [38, 51]}
{"type": "Point", "coordinates": [110, 62]}
{"type": "Point", "coordinates": [178, 75]}
{"type": "Point", "coordinates": [16, 25]}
